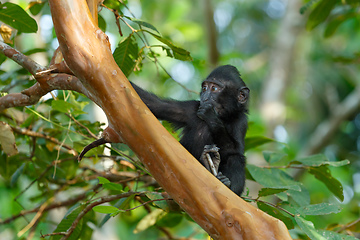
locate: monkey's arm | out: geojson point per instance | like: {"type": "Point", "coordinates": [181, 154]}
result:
{"type": "Point", "coordinates": [178, 112]}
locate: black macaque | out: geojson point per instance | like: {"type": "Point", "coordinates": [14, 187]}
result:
{"type": "Point", "coordinates": [215, 125]}
{"type": "Point", "coordinates": [219, 120]}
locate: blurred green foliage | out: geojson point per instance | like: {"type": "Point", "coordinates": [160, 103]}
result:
{"type": "Point", "coordinates": [323, 204]}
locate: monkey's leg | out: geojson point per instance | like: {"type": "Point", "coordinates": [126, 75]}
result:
{"type": "Point", "coordinates": [210, 158]}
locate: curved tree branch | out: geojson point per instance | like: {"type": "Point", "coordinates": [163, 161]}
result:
{"type": "Point", "coordinates": [33, 94]}
{"type": "Point", "coordinates": [21, 59]}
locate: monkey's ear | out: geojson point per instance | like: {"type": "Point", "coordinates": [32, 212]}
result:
{"type": "Point", "coordinates": [243, 95]}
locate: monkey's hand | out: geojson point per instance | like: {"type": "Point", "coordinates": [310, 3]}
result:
{"type": "Point", "coordinates": [206, 111]}
{"type": "Point", "coordinates": [224, 179]}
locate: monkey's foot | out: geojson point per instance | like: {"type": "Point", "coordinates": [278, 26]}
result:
{"type": "Point", "coordinates": [224, 179]}
{"type": "Point", "coordinates": [210, 158]}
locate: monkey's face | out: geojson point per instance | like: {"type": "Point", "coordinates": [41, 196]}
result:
{"type": "Point", "coordinates": [210, 92]}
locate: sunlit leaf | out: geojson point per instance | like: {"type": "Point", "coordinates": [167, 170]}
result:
{"type": "Point", "coordinates": [319, 160]}
{"type": "Point", "coordinates": [117, 205]}
{"type": "Point", "coordinates": [101, 23]}
{"type": "Point", "coordinates": [323, 174]}
{"type": "Point", "coordinates": [149, 220]}
{"type": "Point", "coordinates": [308, 228]}
{"type": "Point", "coordinates": [334, 24]}
{"type": "Point", "coordinates": [272, 157]}
{"type": "Point", "coordinates": [113, 186]}
{"type": "Point", "coordinates": [178, 53]}
{"type": "Point", "coordinates": [143, 23]}
{"type": "Point", "coordinates": [309, 4]}
{"type": "Point", "coordinates": [36, 6]}
{"type": "Point", "coordinates": [17, 174]}
{"type": "Point", "coordinates": [66, 223]}
{"type": "Point", "coordinates": [106, 209]}
{"type": "Point", "coordinates": [161, 204]}
{"type": "Point", "coordinates": [319, 209]}
{"type": "Point", "coordinates": [170, 220]}
{"type": "Point", "coordinates": [103, 180]}
{"type": "Point", "coordinates": [270, 191]}
{"type": "Point", "coordinates": [277, 214]}
{"type": "Point", "coordinates": [13, 15]}
{"type": "Point", "coordinates": [320, 13]}
{"type": "Point", "coordinates": [125, 55]}
{"type": "Point", "coordinates": [66, 107]}
{"type": "Point", "coordinates": [335, 236]}
{"type": "Point", "coordinates": [7, 139]}
{"type": "Point", "coordinates": [253, 142]}
{"type": "Point", "coordinates": [273, 178]}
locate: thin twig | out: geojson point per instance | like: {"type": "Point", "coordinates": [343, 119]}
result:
{"type": "Point", "coordinates": [21, 59]}
{"type": "Point", "coordinates": [28, 132]}
{"type": "Point", "coordinates": [51, 206]}
{"type": "Point", "coordinates": [39, 213]}
{"type": "Point", "coordinates": [270, 204]}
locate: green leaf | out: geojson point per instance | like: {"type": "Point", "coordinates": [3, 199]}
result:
{"type": "Point", "coordinates": [117, 205]}
{"type": "Point", "coordinates": [323, 174]}
{"type": "Point", "coordinates": [253, 142]}
{"type": "Point", "coordinates": [302, 197]}
{"type": "Point", "coordinates": [334, 24]}
{"type": "Point", "coordinates": [308, 228]}
{"type": "Point", "coordinates": [276, 213]}
{"type": "Point", "coordinates": [113, 4]}
{"type": "Point", "coordinates": [320, 13]}
{"type": "Point", "coordinates": [161, 204]}
{"type": "Point", "coordinates": [113, 186]}
{"type": "Point", "coordinates": [7, 139]}
{"type": "Point", "coordinates": [35, 50]}
{"type": "Point", "coordinates": [13, 15]}
{"type": "Point", "coordinates": [273, 178]}
{"type": "Point", "coordinates": [272, 157]}
{"type": "Point", "coordinates": [106, 209]}
{"type": "Point", "coordinates": [36, 7]}
{"type": "Point", "coordinates": [319, 160]}
{"type": "Point", "coordinates": [17, 174]}
{"type": "Point", "coordinates": [143, 23]}
{"type": "Point", "coordinates": [335, 236]}
{"type": "Point", "coordinates": [65, 107]}
{"type": "Point", "coordinates": [66, 223]}
{"type": "Point", "coordinates": [178, 53]}
{"type": "Point", "coordinates": [304, 8]}
{"type": "Point", "coordinates": [149, 220]}
{"type": "Point", "coordinates": [126, 204]}
{"type": "Point", "coordinates": [348, 60]}
{"type": "Point", "coordinates": [103, 180]}
{"type": "Point", "coordinates": [101, 23]}
{"type": "Point", "coordinates": [170, 220]}
{"type": "Point", "coordinates": [270, 191]}
{"type": "Point", "coordinates": [319, 209]}
{"type": "Point", "coordinates": [61, 106]}
{"type": "Point", "coordinates": [126, 54]}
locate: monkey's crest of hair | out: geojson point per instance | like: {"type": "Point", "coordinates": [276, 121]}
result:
{"type": "Point", "coordinates": [227, 73]}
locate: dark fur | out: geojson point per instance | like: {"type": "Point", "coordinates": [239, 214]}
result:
{"type": "Point", "coordinates": [219, 120]}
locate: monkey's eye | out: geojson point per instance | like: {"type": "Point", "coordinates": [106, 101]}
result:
{"type": "Point", "coordinates": [204, 88]}
{"type": "Point", "coordinates": [214, 88]}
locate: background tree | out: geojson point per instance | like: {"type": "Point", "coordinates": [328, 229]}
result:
{"type": "Point", "coordinates": [50, 133]}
